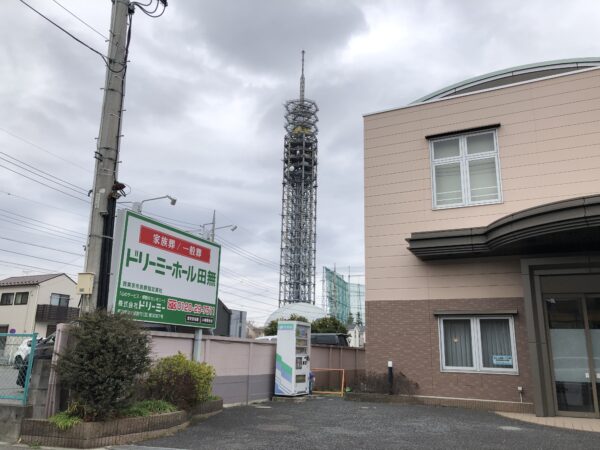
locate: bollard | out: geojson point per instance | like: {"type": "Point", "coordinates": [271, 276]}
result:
{"type": "Point", "coordinates": [391, 377]}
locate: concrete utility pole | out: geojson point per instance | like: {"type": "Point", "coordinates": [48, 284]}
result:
{"type": "Point", "coordinates": [107, 154]}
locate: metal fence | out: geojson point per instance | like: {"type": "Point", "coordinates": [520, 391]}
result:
{"type": "Point", "coordinates": [16, 361]}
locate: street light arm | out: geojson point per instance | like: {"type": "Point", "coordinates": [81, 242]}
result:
{"type": "Point", "coordinates": [137, 206]}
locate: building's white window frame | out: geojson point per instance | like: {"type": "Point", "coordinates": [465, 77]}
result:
{"type": "Point", "coordinates": [478, 366]}
{"type": "Point", "coordinates": [463, 159]}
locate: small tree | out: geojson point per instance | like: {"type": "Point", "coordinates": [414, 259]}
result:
{"type": "Point", "coordinates": [350, 320]}
{"type": "Point", "coordinates": [271, 328]}
{"type": "Point", "coordinates": [328, 325]}
{"type": "Point", "coordinates": [101, 368]}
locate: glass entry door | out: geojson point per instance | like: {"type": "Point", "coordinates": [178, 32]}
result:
{"type": "Point", "coordinates": [574, 338]}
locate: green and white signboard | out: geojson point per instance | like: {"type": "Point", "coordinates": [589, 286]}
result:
{"type": "Point", "coordinates": [163, 275]}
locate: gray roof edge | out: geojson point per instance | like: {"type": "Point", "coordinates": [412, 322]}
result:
{"type": "Point", "coordinates": [509, 72]}
{"type": "Point", "coordinates": [592, 63]}
{"type": "Point", "coordinates": [29, 280]}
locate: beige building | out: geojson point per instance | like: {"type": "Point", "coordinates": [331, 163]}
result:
{"type": "Point", "coordinates": [36, 303]}
{"type": "Point", "coordinates": [482, 235]}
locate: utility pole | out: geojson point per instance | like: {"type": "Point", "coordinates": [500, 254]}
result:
{"type": "Point", "coordinates": [104, 195]}
{"type": "Point", "coordinates": [212, 230]}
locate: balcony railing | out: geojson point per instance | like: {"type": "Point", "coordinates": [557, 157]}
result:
{"type": "Point", "coordinates": [53, 313]}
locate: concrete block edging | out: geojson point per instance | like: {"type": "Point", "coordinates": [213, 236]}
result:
{"type": "Point", "coordinates": [478, 404]}
{"type": "Point", "coordinates": [114, 432]}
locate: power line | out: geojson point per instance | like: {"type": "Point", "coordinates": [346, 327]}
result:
{"type": "Point", "coordinates": [247, 254]}
{"type": "Point", "coordinates": [12, 264]}
{"type": "Point", "coordinates": [39, 257]}
{"type": "Point", "coordinates": [44, 184]}
{"type": "Point", "coordinates": [66, 32]}
{"type": "Point", "coordinates": [41, 246]}
{"type": "Point", "coordinates": [41, 230]}
{"type": "Point", "coordinates": [53, 207]}
{"type": "Point", "coordinates": [229, 243]}
{"type": "Point", "coordinates": [183, 222]}
{"type": "Point", "coordinates": [63, 229]}
{"type": "Point", "coordinates": [50, 177]}
{"type": "Point", "coordinates": [10, 133]}
{"type": "Point", "coordinates": [243, 279]}
{"type": "Point", "coordinates": [81, 20]}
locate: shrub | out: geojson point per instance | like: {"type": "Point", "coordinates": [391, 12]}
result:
{"type": "Point", "coordinates": [64, 420]}
{"type": "Point", "coordinates": [148, 407]}
{"type": "Point", "coordinates": [180, 381]}
{"type": "Point", "coordinates": [100, 369]}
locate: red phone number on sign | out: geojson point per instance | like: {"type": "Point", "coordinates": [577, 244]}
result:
{"type": "Point", "coordinates": [177, 305]}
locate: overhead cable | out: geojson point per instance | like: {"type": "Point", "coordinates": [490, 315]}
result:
{"type": "Point", "coordinates": [81, 20]}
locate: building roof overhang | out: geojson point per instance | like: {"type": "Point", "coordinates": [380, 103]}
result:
{"type": "Point", "coordinates": [567, 225]}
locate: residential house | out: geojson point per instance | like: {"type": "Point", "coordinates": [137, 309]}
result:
{"type": "Point", "coordinates": [36, 303]}
{"type": "Point", "coordinates": [482, 236]}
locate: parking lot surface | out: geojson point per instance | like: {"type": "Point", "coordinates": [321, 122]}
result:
{"type": "Point", "coordinates": [328, 423]}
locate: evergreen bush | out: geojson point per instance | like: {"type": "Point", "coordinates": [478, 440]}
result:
{"type": "Point", "coordinates": [180, 381]}
{"type": "Point", "coordinates": [109, 353]}
{"type": "Point", "coordinates": [328, 325]}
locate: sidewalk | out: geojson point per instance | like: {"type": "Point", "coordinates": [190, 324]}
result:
{"type": "Point", "coordinates": [570, 423]}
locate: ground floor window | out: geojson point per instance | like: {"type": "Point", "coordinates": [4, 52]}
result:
{"type": "Point", "coordinates": [478, 344]}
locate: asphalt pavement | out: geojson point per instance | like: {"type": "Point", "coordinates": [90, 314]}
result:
{"type": "Point", "coordinates": [328, 423]}
{"type": "Point", "coordinates": [331, 423]}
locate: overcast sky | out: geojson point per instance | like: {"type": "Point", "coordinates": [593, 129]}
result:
{"type": "Point", "coordinates": [204, 121]}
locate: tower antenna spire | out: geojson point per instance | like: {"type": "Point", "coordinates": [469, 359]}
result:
{"type": "Point", "coordinates": [302, 79]}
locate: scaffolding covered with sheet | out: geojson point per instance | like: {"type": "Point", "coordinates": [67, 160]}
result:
{"type": "Point", "coordinates": [343, 300]}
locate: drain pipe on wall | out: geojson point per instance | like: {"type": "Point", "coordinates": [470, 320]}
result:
{"type": "Point", "coordinates": [197, 350]}
{"type": "Point", "coordinates": [391, 377]}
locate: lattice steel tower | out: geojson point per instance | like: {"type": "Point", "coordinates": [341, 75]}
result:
{"type": "Point", "coordinates": [299, 203]}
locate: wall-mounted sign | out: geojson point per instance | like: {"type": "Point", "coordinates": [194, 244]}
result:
{"type": "Point", "coordinates": [502, 360]}
{"type": "Point", "coordinates": [164, 275]}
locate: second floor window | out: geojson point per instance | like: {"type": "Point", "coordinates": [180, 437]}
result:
{"type": "Point", "coordinates": [59, 300]}
{"type": "Point", "coordinates": [7, 298]}
{"type": "Point", "coordinates": [465, 169]}
{"type": "Point", "coordinates": [21, 298]}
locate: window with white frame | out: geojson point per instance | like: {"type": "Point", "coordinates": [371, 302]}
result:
{"type": "Point", "coordinates": [21, 298]}
{"type": "Point", "coordinates": [478, 344]}
{"type": "Point", "coordinates": [465, 169]}
{"type": "Point", "coordinates": [59, 299]}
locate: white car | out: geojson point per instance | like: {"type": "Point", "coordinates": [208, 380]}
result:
{"type": "Point", "coordinates": [22, 353]}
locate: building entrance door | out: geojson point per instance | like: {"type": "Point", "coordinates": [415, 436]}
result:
{"type": "Point", "coordinates": [573, 326]}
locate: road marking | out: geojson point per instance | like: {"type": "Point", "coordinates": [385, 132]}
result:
{"type": "Point", "coordinates": [509, 428]}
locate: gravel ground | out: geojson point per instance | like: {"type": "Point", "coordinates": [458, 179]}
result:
{"type": "Point", "coordinates": [327, 423]}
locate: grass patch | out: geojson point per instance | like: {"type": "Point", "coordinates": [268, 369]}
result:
{"type": "Point", "coordinates": [148, 408]}
{"type": "Point", "coordinates": [64, 420]}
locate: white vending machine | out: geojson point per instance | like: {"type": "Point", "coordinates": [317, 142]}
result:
{"type": "Point", "coordinates": [292, 360]}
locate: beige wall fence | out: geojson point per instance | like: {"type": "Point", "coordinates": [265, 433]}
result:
{"type": "Point", "coordinates": [246, 367]}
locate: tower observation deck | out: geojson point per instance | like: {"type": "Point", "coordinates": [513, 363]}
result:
{"type": "Point", "coordinates": [299, 201]}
